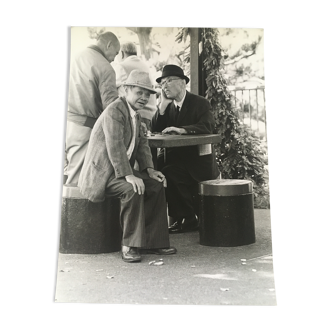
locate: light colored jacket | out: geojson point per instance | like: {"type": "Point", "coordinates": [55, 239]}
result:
{"type": "Point", "coordinates": [92, 86]}
{"type": "Point", "coordinates": [106, 157]}
{"type": "Point", "coordinates": [123, 69]}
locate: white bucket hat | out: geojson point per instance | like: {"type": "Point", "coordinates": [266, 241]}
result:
{"type": "Point", "coordinates": [141, 79]}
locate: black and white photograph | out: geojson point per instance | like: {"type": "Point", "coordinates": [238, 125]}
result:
{"type": "Point", "coordinates": [166, 176]}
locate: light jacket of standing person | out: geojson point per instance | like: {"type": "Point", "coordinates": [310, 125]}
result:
{"type": "Point", "coordinates": [92, 86]}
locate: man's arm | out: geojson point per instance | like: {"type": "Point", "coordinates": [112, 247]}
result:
{"type": "Point", "coordinates": [143, 154]}
{"type": "Point", "coordinates": [159, 120]}
{"type": "Point", "coordinates": [205, 121]}
{"type": "Point", "coordinates": [113, 127]}
{"type": "Point", "coordinates": [107, 86]}
{"type": "Point", "coordinates": [120, 73]}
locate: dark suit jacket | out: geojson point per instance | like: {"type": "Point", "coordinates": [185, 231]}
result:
{"type": "Point", "coordinates": [196, 117]}
{"type": "Point", "coordinates": [106, 157]}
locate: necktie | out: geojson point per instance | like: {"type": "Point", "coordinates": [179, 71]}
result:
{"type": "Point", "coordinates": [136, 124]}
{"type": "Point", "coordinates": [177, 113]}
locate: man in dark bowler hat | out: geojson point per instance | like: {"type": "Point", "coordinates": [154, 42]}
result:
{"type": "Point", "coordinates": [181, 112]}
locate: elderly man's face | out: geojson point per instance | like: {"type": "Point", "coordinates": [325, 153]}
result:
{"type": "Point", "coordinates": [173, 86]}
{"type": "Point", "coordinates": [137, 97]}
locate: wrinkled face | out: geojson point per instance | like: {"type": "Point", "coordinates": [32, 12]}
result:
{"type": "Point", "coordinates": [137, 97]}
{"type": "Point", "coordinates": [173, 86]}
{"type": "Point", "coordinates": [112, 50]}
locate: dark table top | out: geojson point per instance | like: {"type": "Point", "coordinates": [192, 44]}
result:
{"type": "Point", "coordinates": [167, 141]}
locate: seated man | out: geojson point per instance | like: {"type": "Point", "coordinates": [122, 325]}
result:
{"type": "Point", "coordinates": [181, 112]}
{"type": "Point", "coordinates": [116, 142]}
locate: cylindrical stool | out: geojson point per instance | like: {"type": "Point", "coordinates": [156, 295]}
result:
{"type": "Point", "coordinates": [226, 213]}
{"type": "Point", "coordinates": [87, 227]}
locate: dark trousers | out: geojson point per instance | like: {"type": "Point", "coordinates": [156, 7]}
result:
{"type": "Point", "coordinates": [143, 218]}
{"type": "Point", "coordinates": [181, 191]}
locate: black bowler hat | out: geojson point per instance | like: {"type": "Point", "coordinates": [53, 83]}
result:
{"type": "Point", "coordinates": [172, 70]}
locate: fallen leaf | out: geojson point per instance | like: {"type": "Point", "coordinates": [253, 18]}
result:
{"type": "Point", "coordinates": [215, 276]}
{"type": "Point", "coordinates": [224, 289]}
{"type": "Point", "coordinates": [243, 260]}
{"type": "Point", "coordinates": [109, 277]}
{"type": "Point", "coordinates": [150, 263]}
{"type": "Point", "coordinates": [99, 270]}
{"type": "Point", "coordinates": [158, 263]}
{"type": "Point", "coordinates": [254, 270]}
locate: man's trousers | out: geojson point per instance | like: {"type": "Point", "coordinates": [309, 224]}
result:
{"type": "Point", "coordinates": [143, 218]}
{"type": "Point", "coordinates": [77, 141]}
{"type": "Point", "coordinates": [181, 192]}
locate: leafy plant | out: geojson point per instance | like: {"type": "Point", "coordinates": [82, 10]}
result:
{"type": "Point", "coordinates": [239, 155]}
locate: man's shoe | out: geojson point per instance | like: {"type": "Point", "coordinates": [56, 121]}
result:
{"type": "Point", "coordinates": [131, 255]}
{"type": "Point", "coordinates": [160, 251]}
{"type": "Point", "coordinates": [187, 224]}
{"type": "Point", "coordinates": [190, 224]}
{"type": "Point", "coordinates": [176, 227]}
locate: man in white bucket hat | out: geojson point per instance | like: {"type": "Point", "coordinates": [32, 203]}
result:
{"type": "Point", "coordinates": [117, 140]}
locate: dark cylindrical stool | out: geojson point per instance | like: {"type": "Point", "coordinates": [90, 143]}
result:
{"type": "Point", "coordinates": [87, 227]}
{"type": "Point", "coordinates": [226, 213]}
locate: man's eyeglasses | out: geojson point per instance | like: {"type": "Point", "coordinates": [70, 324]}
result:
{"type": "Point", "coordinates": [162, 84]}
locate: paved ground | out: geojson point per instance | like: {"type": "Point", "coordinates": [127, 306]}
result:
{"type": "Point", "coordinates": [195, 275]}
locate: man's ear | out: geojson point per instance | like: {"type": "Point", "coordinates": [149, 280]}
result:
{"type": "Point", "coordinates": [108, 45]}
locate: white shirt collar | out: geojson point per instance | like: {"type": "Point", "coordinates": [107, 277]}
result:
{"type": "Point", "coordinates": [180, 103]}
{"type": "Point", "coordinates": [131, 111]}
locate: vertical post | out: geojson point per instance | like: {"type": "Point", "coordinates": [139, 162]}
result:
{"type": "Point", "coordinates": [195, 69]}
{"type": "Point", "coordinates": [249, 109]}
{"type": "Point", "coordinates": [264, 114]}
{"type": "Point", "coordinates": [242, 108]}
{"type": "Point", "coordinates": [257, 111]}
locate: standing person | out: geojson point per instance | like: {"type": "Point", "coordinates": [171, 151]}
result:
{"type": "Point", "coordinates": [128, 62]}
{"type": "Point", "coordinates": [92, 87]}
{"type": "Point", "coordinates": [182, 112]}
{"type": "Point", "coordinates": [117, 140]}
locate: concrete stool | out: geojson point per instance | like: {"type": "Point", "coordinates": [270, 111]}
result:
{"type": "Point", "coordinates": [86, 227]}
{"type": "Point", "coordinates": [226, 213]}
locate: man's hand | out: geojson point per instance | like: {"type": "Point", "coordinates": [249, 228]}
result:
{"type": "Point", "coordinates": [179, 131]}
{"type": "Point", "coordinates": [137, 183]}
{"type": "Point", "coordinates": [156, 175]}
{"type": "Point", "coordinates": [158, 94]}
{"type": "Point", "coordinates": [164, 103]}
{"type": "Point", "coordinates": [144, 128]}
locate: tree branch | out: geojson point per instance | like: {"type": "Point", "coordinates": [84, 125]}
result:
{"type": "Point", "coordinates": [247, 55]}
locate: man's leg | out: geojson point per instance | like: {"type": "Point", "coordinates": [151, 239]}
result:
{"type": "Point", "coordinates": [132, 216]}
{"type": "Point", "coordinates": [156, 226]}
{"type": "Point", "coordinates": [77, 140]}
{"type": "Point", "coordinates": [179, 191]}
